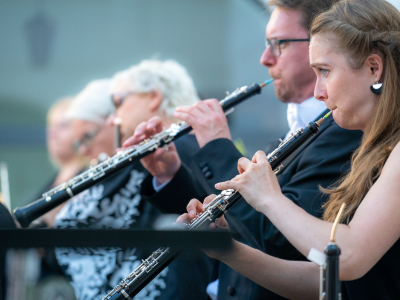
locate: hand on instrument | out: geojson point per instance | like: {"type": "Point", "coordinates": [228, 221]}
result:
{"type": "Point", "coordinates": [256, 182]}
{"type": "Point", "coordinates": [207, 119]}
{"type": "Point", "coordinates": [195, 207]}
{"type": "Point", "coordinates": [162, 163]}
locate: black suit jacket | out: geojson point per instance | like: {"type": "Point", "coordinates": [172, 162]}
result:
{"type": "Point", "coordinates": [318, 163]}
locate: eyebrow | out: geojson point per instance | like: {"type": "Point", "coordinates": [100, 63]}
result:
{"type": "Point", "coordinates": [317, 64]}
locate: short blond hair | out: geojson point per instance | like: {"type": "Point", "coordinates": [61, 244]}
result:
{"type": "Point", "coordinates": [63, 103]}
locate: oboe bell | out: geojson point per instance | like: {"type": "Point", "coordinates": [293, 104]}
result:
{"type": "Point", "coordinates": [330, 286]}
{"type": "Point", "coordinates": [332, 252]}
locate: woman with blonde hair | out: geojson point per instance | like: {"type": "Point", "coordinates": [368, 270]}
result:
{"type": "Point", "coordinates": [355, 53]}
{"type": "Point", "coordinates": [60, 138]}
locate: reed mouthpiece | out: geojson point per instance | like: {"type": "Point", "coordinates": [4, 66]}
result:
{"type": "Point", "coordinates": [266, 82]}
{"type": "Point", "coordinates": [319, 122]}
{"type": "Point", "coordinates": [328, 114]}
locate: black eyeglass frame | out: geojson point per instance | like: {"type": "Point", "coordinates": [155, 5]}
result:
{"type": "Point", "coordinates": [87, 137]}
{"type": "Point", "coordinates": [268, 43]}
{"type": "Point", "coordinates": [117, 102]}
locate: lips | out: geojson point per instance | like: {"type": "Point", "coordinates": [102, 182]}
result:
{"type": "Point", "coordinates": [328, 106]}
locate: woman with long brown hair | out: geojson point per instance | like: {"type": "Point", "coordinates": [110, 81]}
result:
{"type": "Point", "coordinates": [355, 53]}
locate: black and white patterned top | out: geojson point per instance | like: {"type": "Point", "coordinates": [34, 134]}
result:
{"type": "Point", "coordinates": [116, 203]}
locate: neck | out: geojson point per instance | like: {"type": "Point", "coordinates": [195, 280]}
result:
{"type": "Point", "coordinates": [301, 98]}
{"type": "Point", "coordinates": [306, 92]}
{"type": "Point", "coordinates": [71, 163]}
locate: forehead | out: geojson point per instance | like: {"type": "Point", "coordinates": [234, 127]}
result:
{"type": "Point", "coordinates": [322, 49]}
{"type": "Point", "coordinates": [120, 85]}
{"type": "Point", "coordinates": [58, 116]}
{"type": "Point", "coordinates": [286, 23]}
{"type": "Point", "coordinates": [83, 124]}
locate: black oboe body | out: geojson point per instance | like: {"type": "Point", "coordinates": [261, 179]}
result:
{"type": "Point", "coordinates": [146, 272]}
{"type": "Point", "coordinates": [58, 195]}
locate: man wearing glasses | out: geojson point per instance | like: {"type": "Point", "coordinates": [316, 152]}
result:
{"type": "Point", "coordinates": [319, 162]}
{"type": "Point", "coordinates": [151, 88]}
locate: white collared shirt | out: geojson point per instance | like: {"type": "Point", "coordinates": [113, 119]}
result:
{"type": "Point", "coordinates": [299, 115]}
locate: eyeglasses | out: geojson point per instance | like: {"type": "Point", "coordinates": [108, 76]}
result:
{"type": "Point", "coordinates": [275, 44]}
{"type": "Point", "coordinates": [87, 137]}
{"type": "Point", "coordinates": [118, 98]}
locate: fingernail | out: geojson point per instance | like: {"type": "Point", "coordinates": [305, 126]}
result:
{"type": "Point", "coordinates": [216, 185]}
{"type": "Point", "coordinates": [192, 213]}
{"type": "Point", "coordinates": [204, 205]}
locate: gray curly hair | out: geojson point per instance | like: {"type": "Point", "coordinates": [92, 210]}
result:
{"type": "Point", "coordinates": [167, 77]}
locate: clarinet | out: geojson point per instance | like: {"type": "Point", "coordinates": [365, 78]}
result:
{"type": "Point", "coordinates": [58, 195]}
{"type": "Point", "coordinates": [162, 257]}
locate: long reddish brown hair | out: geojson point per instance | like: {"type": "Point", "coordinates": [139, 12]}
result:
{"type": "Point", "coordinates": [363, 27]}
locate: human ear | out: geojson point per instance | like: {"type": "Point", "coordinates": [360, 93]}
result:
{"type": "Point", "coordinates": [375, 65]}
{"type": "Point", "coordinates": [155, 100]}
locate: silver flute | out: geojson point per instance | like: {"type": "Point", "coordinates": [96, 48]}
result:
{"type": "Point", "coordinates": [161, 258]}
{"type": "Point", "coordinates": [58, 195]}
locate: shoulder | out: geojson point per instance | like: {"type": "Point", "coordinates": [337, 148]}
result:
{"type": "Point", "coordinates": [332, 128]}
{"type": "Point", "coordinates": [392, 165]}
{"type": "Point", "coordinates": [396, 151]}
{"type": "Point", "coordinates": [332, 136]}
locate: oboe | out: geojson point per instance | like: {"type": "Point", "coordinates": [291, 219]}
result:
{"type": "Point", "coordinates": [161, 258]}
{"type": "Point", "coordinates": [58, 195]}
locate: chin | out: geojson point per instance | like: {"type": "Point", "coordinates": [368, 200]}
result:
{"type": "Point", "coordinates": [338, 119]}
{"type": "Point", "coordinates": [343, 122]}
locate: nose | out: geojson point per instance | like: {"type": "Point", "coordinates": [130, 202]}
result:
{"type": "Point", "coordinates": [320, 92]}
{"type": "Point", "coordinates": [84, 150]}
{"type": "Point", "coordinates": [267, 59]}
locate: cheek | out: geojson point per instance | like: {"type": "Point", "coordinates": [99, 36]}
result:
{"type": "Point", "coordinates": [64, 136]}
{"type": "Point", "coordinates": [77, 132]}
{"type": "Point", "coordinates": [106, 136]}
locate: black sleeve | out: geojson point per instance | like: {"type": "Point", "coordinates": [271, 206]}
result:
{"type": "Point", "coordinates": [215, 162]}
{"type": "Point", "coordinates": [320, 164]}
{"type": "Point", "coordinates": [175, 196]}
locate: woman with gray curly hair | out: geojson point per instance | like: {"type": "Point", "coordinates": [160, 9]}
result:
{"type": "Point", "coordinates": [151, 88]}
